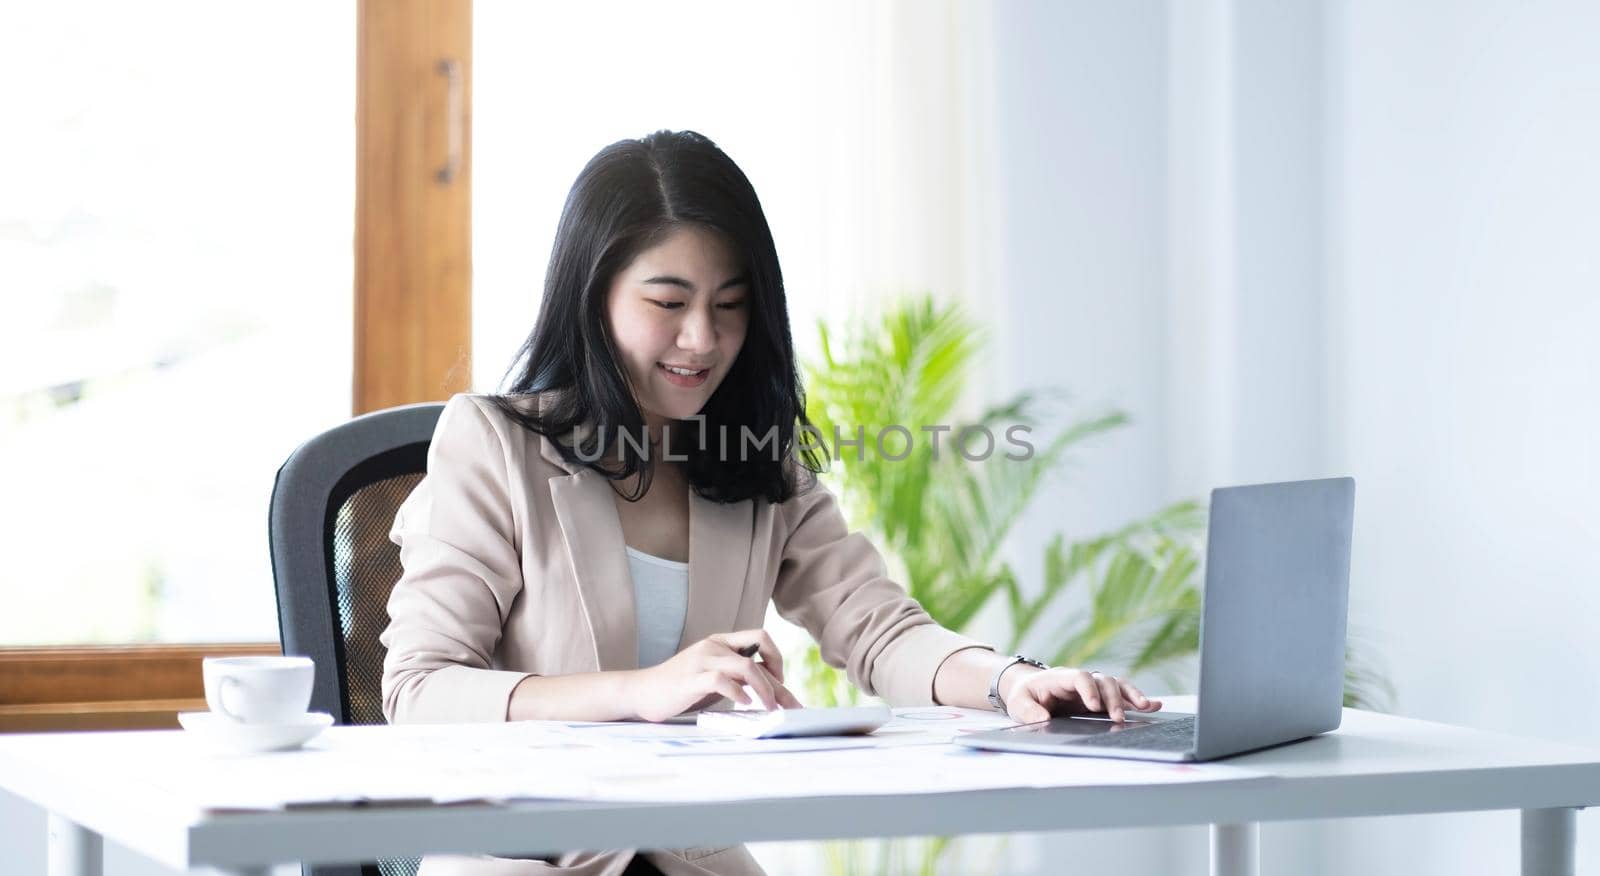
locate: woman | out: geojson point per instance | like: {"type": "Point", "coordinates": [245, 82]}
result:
{"type": "Point", "coordinates": [600, 542]}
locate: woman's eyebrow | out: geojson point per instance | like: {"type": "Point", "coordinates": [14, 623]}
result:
{"type": "Point", "coordinates": [669, 280]}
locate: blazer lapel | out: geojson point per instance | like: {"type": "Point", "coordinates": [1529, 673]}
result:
{"type": "Point", "coordinates": [719, 558]}
{"type": "Point", "coordinates": [593, 535]}
{"type": "Point", "coordinates": [720, 538]}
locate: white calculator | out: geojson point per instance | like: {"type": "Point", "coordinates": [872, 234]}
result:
{"type": "Point", "coordinates": [776, 723]}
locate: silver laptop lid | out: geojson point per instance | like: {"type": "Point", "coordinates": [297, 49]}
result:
{"type": "Point", "coordinates": [1272, 631]}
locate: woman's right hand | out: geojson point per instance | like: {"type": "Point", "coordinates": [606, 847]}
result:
{"type": "Point", "coordinates": [707, 670]}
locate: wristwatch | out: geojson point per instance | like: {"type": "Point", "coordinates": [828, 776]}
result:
{"type": "Point", "coordinates": [994, 683]}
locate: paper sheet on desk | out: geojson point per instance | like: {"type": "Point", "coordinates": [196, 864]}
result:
{"type": "Point", "coordinates": [678, 740]}
{"type": "Point", "coordinates": [910, 754]}
{"type": "Point", "coordinates": [916, 725]}
{"type": "Point", "coordinates": [436, 763]}
{"type": "Point", "coordinates": [908, 769]}
{"type": "Point", "coordinates": [500, 762]}
{"type": "Point", "coordinates": [936, 725]}
{"type": "Point", "coordinates": [378, 765]}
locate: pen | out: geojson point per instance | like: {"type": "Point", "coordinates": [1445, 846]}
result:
{"type": "Point", "coordinates": [750, 651]}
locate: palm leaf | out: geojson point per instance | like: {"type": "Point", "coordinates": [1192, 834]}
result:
{"type": "Point", "coordinates": [945, 517]}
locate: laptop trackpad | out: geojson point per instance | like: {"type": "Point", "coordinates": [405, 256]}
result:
{"type": "Point", "coordinates": [1081, 726]}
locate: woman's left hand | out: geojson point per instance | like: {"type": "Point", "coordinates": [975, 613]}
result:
{"type": "Point", "coordinates": [1063, 692]}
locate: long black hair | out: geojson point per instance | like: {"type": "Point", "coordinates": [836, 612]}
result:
{"type": "Point", "coordinates": [630, 197]}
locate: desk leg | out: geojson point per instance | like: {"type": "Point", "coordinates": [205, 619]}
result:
{"type": "Point", "coordinates": [1236, 849]}
{"type": "Point", "coordinates": [74, 850]}
{"type": "Point", "coordinates": [1548, 841]}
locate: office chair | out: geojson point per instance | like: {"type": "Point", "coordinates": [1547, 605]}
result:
{"type": "Point", "coordinates": [333, 565]}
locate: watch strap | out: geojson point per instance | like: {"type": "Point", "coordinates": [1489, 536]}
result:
{"type": "Point", "coordinates": [994, 683]}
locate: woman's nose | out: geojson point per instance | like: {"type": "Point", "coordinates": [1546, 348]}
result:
{"type": "Point", "coordinates": [698, 331]}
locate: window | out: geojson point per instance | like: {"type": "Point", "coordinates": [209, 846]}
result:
{"type": "Point", "coordinates": [175, 246]}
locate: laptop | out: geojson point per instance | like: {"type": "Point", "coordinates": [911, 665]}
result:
{"type": "Point", "coordinates": [1272, 636]}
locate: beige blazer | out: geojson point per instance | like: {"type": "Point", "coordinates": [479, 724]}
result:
{"type": "Point", "coordinates": [514, 565]}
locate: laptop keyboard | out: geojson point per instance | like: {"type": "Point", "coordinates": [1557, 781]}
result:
{"type": "Point", "coordinates": [1177, 735]}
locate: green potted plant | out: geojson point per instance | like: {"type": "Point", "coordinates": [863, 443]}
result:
{"type": "Point", "coordinates": [941, 519]}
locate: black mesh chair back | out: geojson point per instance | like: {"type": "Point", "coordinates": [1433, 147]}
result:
{"type": "Point", "coordinates": [333, 504]}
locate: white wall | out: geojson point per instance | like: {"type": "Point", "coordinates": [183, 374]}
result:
{"type": "Point", "coordinates": [1378, 258]}
{"type": "Point", "coordinates": [1467, 306]}
{"type": "Point", "coordinates": [1079, 152]}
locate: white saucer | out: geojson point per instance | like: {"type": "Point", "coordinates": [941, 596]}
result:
{"type": "Point", "coordinates": [225, 734]}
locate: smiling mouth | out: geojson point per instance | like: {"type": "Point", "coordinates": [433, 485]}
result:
{"type": "Point", "coordinates": [684, 376]}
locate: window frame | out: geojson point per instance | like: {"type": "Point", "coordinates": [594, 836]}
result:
{"type": "Point", "coordinates": [413, 333]}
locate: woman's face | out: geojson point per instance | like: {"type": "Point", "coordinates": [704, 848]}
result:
{"type": "Point", "coordinates": [682, 303]}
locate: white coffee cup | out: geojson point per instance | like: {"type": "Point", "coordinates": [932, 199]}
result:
{"type": "Point", "coordinates": [258, 690]}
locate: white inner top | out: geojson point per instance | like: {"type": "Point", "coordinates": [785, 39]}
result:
{"type": "Point", "coordinates": [660, 600]}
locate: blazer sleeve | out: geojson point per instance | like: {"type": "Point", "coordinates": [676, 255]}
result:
{"type": "Point", "coordinates": [461, 572]}
{"type": "Point", "coordinates": [834, 583]}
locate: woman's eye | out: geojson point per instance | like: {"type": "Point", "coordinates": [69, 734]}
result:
{"type": "Point", "coordinates": [667, 305]}
{"type": "Point", "coordinates": [732, 305]}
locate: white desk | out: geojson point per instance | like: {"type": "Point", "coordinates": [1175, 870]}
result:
{"type": "Point", "coordinates": [1373, 765]}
